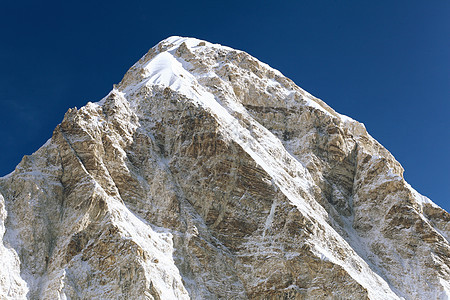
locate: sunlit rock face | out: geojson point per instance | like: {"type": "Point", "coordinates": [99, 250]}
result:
{"type": "Point", "coordinates": [206, 174]}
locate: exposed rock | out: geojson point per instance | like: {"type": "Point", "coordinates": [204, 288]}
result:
{"type": "Point", "coordinates": [206, 174]}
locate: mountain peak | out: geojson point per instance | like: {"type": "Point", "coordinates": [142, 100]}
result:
{"type": "Point", "coordinates": [206, 173]}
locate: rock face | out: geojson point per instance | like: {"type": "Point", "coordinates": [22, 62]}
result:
{"type": "Point", "coordinates": [206, 174]}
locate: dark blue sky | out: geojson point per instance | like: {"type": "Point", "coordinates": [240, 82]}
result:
{"type": "Point", "coordinates": [384, 63]}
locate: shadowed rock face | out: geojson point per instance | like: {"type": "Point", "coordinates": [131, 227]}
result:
{"type": "Point", "coordinates": [206, 174]}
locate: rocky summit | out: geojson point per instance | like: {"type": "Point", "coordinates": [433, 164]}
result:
{"type": "Point", "coordinates": [206, 174]}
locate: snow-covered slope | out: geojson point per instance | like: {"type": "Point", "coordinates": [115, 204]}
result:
{"type": "Point", "coordinates": [204, 174]}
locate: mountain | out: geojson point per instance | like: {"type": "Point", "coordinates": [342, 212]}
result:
{"type": "Point", "coordinates": [207, 174]}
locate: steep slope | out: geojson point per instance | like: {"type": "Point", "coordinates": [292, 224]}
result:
{"type": "Point", "coordinates": [207, 174]}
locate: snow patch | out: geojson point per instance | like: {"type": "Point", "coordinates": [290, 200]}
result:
{"type": "Point", "coordinates": [12, 286]}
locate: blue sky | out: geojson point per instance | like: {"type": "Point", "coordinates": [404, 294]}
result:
{"type": "Point", "coordinates": [383, 63]}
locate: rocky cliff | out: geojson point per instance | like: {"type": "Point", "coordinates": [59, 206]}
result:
{"type": "Point", "coordinates": [206, 174]}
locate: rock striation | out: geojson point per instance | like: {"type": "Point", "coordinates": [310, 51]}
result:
{"type": "Point", "coordinates": [206, 174]}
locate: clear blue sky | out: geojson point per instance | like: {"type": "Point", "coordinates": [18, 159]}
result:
{"type": "Point", "coordinates": [384, 63]}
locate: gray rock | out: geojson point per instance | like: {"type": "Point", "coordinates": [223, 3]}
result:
{"type": "Point", "coordinates": [206, 174]}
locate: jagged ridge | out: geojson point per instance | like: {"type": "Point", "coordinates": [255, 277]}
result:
{"type": "Point", "coordinates": [205, 173]}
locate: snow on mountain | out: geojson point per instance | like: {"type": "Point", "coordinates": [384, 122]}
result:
{"type": "Point", "coordinates": [205, 173]}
